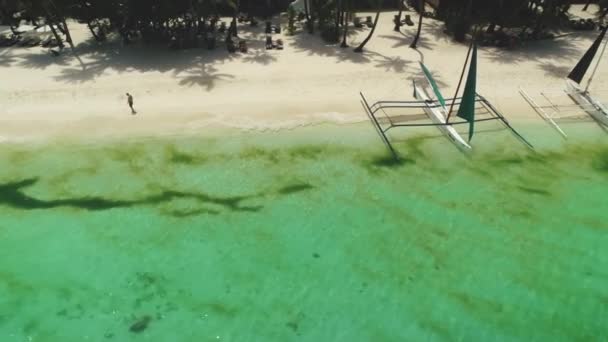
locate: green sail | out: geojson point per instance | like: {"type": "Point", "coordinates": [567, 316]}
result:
{"type": "Point", "coordinates": [467, 104]}
{"type": "Point", "coordinates": [427, 73]}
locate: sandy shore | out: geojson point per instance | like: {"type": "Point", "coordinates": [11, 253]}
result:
{"type": "Point", "coordinates": [308, 83]}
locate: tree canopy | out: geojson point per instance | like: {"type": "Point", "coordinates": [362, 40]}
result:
{"type": "Point", "coordinates": [163, 20]}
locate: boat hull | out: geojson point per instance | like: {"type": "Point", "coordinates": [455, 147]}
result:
{"type": "Point", "coordinates": [593, 107]}
{"type": "Point", "coordinates": [437, 115]}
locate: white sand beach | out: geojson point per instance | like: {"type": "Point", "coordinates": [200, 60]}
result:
{"type": "Point", "coordinates": [307, 83]}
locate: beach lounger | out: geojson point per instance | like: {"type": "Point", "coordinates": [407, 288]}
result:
{"type": "Point", "coordinates": [210, 41]}
{"type": "Point", "coordinates": [6, 41]}
{"type": "Point", "coordinates": [46, 41]}
{"type": "Point", "coordinates": [243, 46]}
{"type": "Point", "coordinates": [408, 20]}
{"type": "Point", "coordinates": [357, 22]}
{"type": "Point", "coordinates": [55, 52]}
{"type": "Point", "coordinates": [270, 29]}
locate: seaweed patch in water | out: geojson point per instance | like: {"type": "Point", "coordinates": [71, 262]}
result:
{"type": "Point", "coordinates": [221, 309]}
{"type": "Point", "coordinates": [600, 162]}
{"type": "Point", "coordinates": [12, 195]}
{"type": "Point", "coordinates": [306, 152]}
{"type": "Point", "coordinates": [294, 188]}
{"type": "Point", "coordinates": [141, 324]}
{"type": "Point", "coordinates": [189, 213]}
{"type": "Point", "coordinates": [380, 163]}
{"type": "Point", "coordinates": [175, 156]}
{"type": "Point", "coordinates": [259, 153]}
{"type": "Point", "coordinates": [514, 160]}
{"type": "Point", "coordinates": [390, 162]}
{"type": "Point", "coordinates": [534, 191]}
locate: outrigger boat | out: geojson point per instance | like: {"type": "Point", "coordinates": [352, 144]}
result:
{"type": "Point", "coordinates": [573, 83]}
{"type": "Point", "coordinates": [437, 111]}
{"type": "Point", "coordinates": [439, 114]}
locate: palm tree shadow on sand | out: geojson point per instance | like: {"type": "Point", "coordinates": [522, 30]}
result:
{"type": "Point", "coordinates": [206, 77]}
{"type": "Point", "coordinates": [95, 59]}
{"type": "Point", "coordinates": [313, 45]}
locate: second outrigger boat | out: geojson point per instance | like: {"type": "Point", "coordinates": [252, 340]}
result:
{"type": "Point", "coordinates": [573, 83]}
{"type": "Point", "coordinates": [553, 110]}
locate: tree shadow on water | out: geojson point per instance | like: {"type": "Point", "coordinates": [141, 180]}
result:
{"type": "Point", "coordinates": [12, 195]}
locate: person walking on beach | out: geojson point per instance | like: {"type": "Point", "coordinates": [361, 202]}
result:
{"type": "Point", "coordinates": [130, 101]}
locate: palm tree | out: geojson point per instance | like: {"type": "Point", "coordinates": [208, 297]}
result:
{"type": "Point", "coordinates": [420, 14]}
{"type": "Point", "coordinates": [233, 30]}
{"type": "Point", "coordinates": [371, 32]}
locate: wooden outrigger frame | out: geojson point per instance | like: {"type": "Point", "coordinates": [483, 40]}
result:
{"type": "Point", "coordinates": [380, 106]}
{"type": "Point", "coordinates": [540, 110]}
{"type": "Point", "coordinates": [551, 112]}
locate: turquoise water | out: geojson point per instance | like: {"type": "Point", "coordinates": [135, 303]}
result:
{"type": "Point", "coordinates": [309, 235]}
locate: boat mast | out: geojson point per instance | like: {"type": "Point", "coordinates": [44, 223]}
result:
{"type": "Point", "coordinates": [596, 66]}
{"type": "Point", "coordinates": [464, 68]}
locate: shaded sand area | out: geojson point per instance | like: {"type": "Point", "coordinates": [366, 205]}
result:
{"type": "Point", "coordinates": [304, 235]}
{"type": "Point", "coordinates": [309, 82]}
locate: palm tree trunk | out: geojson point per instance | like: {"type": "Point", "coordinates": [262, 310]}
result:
{"type": "Point", "coordinates": [90, 26]}
{"type": "Point", "coordinates": [420, 12]}
{"type": "Point", "coordinates": [268, 10]}
{"type": "Point", "coordinates": [587, 5]}
{"type": "Point", "coordinates": [57, 37]}
{"type": "Point", "coordinates": [309, 23]}
{"type": "Point", "coordinates": [338, 12]}
{"type": "Point", "coordinates": [10, 21]}
{"type": "Point", "coordinates": [345, 24]}
{"type": "Point", "coordinates": [371, 32]}
{"type": "Point", "coordinates": [233, 25]}
{"type": "Point", "coordinates": [85, 6]}
{"type": "Point", "coordinates": [398, 18]}
{"type": "Point", "coordinates": [68, 36]}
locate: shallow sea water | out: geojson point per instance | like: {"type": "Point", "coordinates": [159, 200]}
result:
{"type": "Point", "coordinates": [306, 235]}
